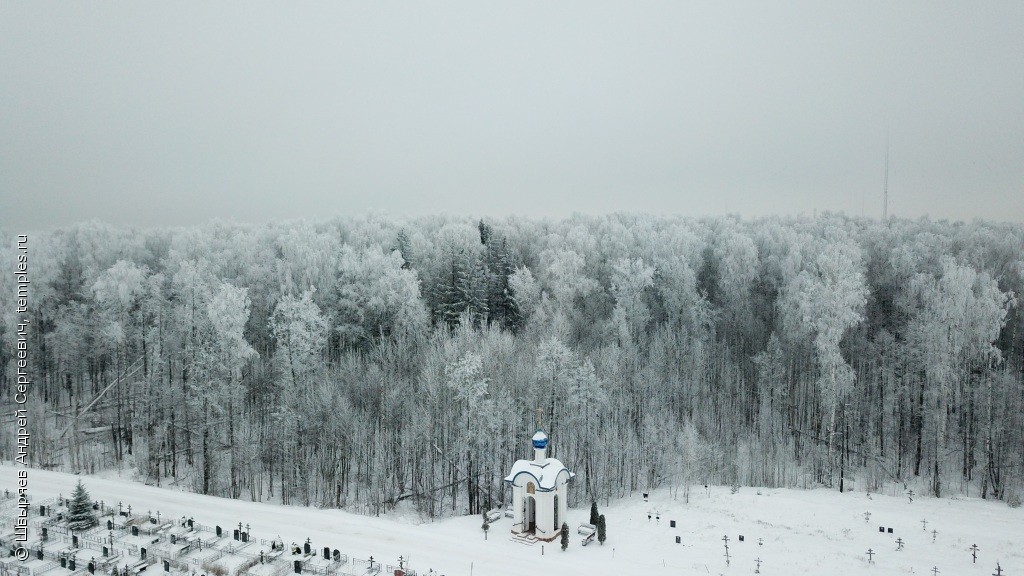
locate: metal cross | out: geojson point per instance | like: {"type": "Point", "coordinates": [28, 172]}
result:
{"type": "Point", "coordinates": [924, 525]}
{"type": "Point", "coordinates": [867, 517]}
{"type": "Point", "coordinates": [935, 570]}
{"type": "Point", "coordinates": [999, 570]}
{"type": "Point", "coordinates": [871, 554]}
{"type": "Point", "coordinates": [910, 495]}
{"type": "Point", "coordinates": [974, 553]}
{"type": "Point", "coordinates": [899, 543]}
{"type": "Point", "coordinates": [758, 569]}
{"type": "Point", "coordinates": [934, 534]}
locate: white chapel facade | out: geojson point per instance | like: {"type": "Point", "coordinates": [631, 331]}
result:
{"type": "Point", "coordinates": [539, 492]}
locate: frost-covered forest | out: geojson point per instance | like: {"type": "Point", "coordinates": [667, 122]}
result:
{"type": "Point", "coordinates": [363, 361]}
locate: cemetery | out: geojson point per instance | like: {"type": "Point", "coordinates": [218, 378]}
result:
{"type": "Point", "coordinates": [127, 541]}
{"type": "Point", "coordinates": [149, 531]}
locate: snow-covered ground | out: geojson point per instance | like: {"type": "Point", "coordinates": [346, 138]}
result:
{"type": "Point", "coordinates": [790, 531]}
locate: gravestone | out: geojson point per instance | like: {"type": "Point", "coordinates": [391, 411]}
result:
{"type": "Point", "coordinates": [741, 537]}
{"type": "Point", "coordinates": [236, 535]}
{"type": "Point", "coordinates": [327, 553]}
{"type": "Point", "coordinates": [219, 531]}
{"type": "Point", "coordinates": [337, 555]}
{"type": "Point", "coordinates": [890, 530]}
{"type": "Point", "coordinates": [110, 524]}
{"type": "Point", "coordinates": [305, 547]}
{"type": "Point", "coordinates": [106, 551]}
{"type": "Point", "coordinates": [298, 566]}
{"type": "Point", "coordinates": [672, 523]}
{"type": "Point", "coordinates": [174, 538]}
{"type": "Point", "coordinates": [44, 533]}
{"type": "Point", "coordinates": [190, 523]}
{"type": "Point", "coordinates": [135, 530]}
{"type": "Point", "coordinates": [142, 553]}
{"type": "Point", "coordinates": [39, 554]}
{"type": "Point", "coordinates": [63, 562]}
{"type": "Point", "coordinates": [74, 540]}
{"type": "Point", "coordinates": [881, 529]}
{"type": "Point", "coordinates": [92, 567]}
{"type": "Point", "coordinates": [245, 536]}
{"type": "Point", "coordinates": [42, 510]}
{"type": "Point", "coordinates": [71, 563]}
{"type": "Point", "coordinates": [167, 565]}
{"type": "Point", "coordinates": [679, 540]}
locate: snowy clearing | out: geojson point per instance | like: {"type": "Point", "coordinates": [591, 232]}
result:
{"type": "Point", "coordinates": [790, 531]}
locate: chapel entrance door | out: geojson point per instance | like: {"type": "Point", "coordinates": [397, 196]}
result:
{"type": "Point", "coordinates": [530, 514]}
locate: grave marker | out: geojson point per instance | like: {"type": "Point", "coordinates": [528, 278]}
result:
{"type": "Point", "coordinates": [974, 553]}
{"type": "Point", "coordinates": [871, 556]}
{"type": "Point", "coordinates": [899, 544]}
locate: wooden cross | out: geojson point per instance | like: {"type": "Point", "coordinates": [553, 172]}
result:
{"type": "Point", "coordinates": [999, 570]}
{"type": "Point", "coordinates": [924, 525]}
{"type": "Point", "coordinates": [935, 570]}
{"type": "Point", "coordinates": [871, 554]}
{"type": "Point", "coordinates": [910, 495]}
{"type": "Point", "coordinates": [934, 534]}
{"type": "Point", "coordinates": [899, 543]}
{"type": "Point", "coordinates": [867, 517]}
{"type": "Point", "coordinates": [974, 553]}
{"type": "Point", "coordinates": [758, 569]}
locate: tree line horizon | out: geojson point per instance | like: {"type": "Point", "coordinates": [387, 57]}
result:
{"type": "Point", "coordinates": [362, 361]}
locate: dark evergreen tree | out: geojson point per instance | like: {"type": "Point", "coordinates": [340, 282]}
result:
{"type": "Point", "coordinates": [602, 533]}
{"type": "Point", "coordinates": [565, 536]}
{"type": "Point", "coordinates": [404, 248]}
{"type": "Point", "coordinates": [593, 513]}
{"type": "Point", "coordinates": [80, 513]}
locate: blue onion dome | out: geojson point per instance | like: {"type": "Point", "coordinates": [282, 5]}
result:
{"type": "Point", "coordinates": [540, 440]}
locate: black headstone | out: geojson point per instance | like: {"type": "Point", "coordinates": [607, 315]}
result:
{"type": "Point", "coordinates": [63, 562]}
{"type": "Point", "coordinates": [337, 555]}
{"type": "Point", "coordinates": [135, 530]}
{"type": "Point", "coordinates": [44, 533]}
{"type": "Point", "coordinates": [219, 531]}
{"type": "Point", "coordinates": [106, 551]}
{"type": "Point", "coordinates": [679, 540]}
{"type": "Point", "coordinates": [174, 538]}
{"type": "Point", "coordinates": [236, 535]}
{"type": "Point", "coordinates": [890, 530]}
{"type": "Point", "coordinates": [92, 568]}
{"type": "Point", "coordinates": [327, 553]}
{"type": "Point", "coordinates": [190, 523]}
{"type": "Point", "coordinates": [245, 536]}
{"type": "Point", "coordinates": [71, 563]}
{"type": "Point", "coordinates": [42, 510]}
{"type": "Point", "coordinates": [74, 540]}
{"type": "Point", "coordinates": [741, 537]}
{"type": "Point", "coordinates": [672, 523]}
{"type": "Point", "coordinates": [298, 566]}
{"type": "Point", "coordinates": [306, 548]}
{"type": "Point", "coordinates": [881, 529]}
{"type": "Point", "coordinates": [142, 553]}
{"type": "Point", "coordinates": [110, 524]}
{"type": "Point", "coordinates": [167, 565]}
{"type": "Point", "coordinates": [39, 554]}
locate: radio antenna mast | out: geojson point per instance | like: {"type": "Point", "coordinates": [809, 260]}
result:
{"type": "Point", "coordinates": [885, 190]}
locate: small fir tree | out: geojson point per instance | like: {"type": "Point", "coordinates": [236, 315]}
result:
{"type": "Point", "coordinates": [601, 532]}
{"type": "Point", "coordinates": [80, 513]}
{"type": "Point", "coordinates": [565, 536]}
{"type": "Point", "coordinates": [593, 513]}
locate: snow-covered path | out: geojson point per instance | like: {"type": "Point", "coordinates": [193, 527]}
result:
{"type": "Point", "coordinates": [800, 532]}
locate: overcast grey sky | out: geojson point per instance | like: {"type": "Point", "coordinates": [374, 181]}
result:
{"type": "Point", "coordinates": [154, 113]}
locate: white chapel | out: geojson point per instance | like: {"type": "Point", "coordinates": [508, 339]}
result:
{"type": "Point", "coordinates": [539, 492]}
